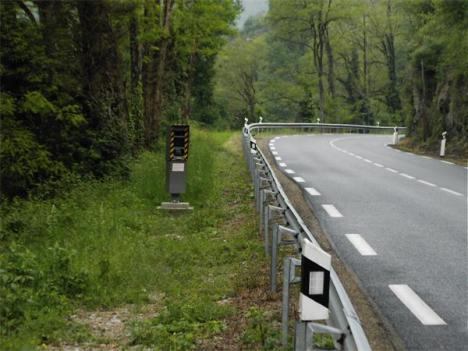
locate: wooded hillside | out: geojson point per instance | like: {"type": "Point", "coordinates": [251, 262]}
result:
{"type": "Point", "coordinates": [392, 62]}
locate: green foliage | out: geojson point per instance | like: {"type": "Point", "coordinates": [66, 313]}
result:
{"type": "Point", "coordinates": [36, 290]}
{"type": "Point", "coordinates": [260, 334]}
{"type": "Point", "coordinates": [104, 244]}
{"type": "Point", "coordinates": [181, 326]}
{"type": "Point", "coordinates": [66, 107]}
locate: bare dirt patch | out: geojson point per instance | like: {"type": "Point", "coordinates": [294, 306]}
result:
{"type": "Point", "coordinates": [109, 328]}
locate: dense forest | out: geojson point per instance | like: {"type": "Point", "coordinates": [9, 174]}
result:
{"type": "Point", "coordinates": [387, 62]}
{"type": "Point", "coordinates": [87, 84]}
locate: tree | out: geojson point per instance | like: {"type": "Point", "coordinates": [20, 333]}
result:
{"type": "Point", "coordinates": [238, 70]}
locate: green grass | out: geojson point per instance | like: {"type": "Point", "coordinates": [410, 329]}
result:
{"type": "Point", "coordinates": [104, 244]}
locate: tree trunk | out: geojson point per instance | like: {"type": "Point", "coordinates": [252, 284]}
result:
{"type": "Point", "coordinates": [134, 55]}
{"type": "Point", "coordinates": [102, 78]}
{"type": "Point", "coordinates": [365, 60]}
{"type": "Point", "coordinates": [424, 119]}
{"type": "Point", "coordinates": [393, 98]}
{"type": "Point", "coordinates": [154, 76]}
{"type": "Point", "coordinates": [331, 65]}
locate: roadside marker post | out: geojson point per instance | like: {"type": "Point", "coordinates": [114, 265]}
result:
{"type": "Point", "coordinates": [177, 151]}
{"type": "Point", "coordinates": [442, 144]}
{"type": "Point", "coordinates": [395, 136]}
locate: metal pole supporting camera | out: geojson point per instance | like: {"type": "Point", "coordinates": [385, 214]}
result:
{"type": "Point", "coordinates": [395, 135]}
{"type": "Point", "coordinates": [177, 149]}
{"type": "Point", "coordinates": [442, 144]}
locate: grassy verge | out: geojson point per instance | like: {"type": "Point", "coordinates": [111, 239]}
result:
{"type": "Point", "coordinates": [456, 150]}
{"type": "Point", "coordinates": [103, 258]}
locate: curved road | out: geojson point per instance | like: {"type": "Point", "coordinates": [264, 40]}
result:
{"type": "Point", "coordinates": [399, 220]}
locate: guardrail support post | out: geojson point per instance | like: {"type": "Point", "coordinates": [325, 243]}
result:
{"type": "Point", "coordinates": [289, 277]}
{"type": "Point", "coordinates": [285, 303]}
{"type": "Point", "coordinates": [300, 341]}
{"type": "Point", "coordinates": [268, 217]}
{"type": "Point", "coordinates": [274, 254]}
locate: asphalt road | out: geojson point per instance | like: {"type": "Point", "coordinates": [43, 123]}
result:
{"type": "Point", "coordinates": [399, 220]}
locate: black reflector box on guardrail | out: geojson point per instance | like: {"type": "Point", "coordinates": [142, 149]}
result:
{"type": "Point", "coordinates": [315, 282]}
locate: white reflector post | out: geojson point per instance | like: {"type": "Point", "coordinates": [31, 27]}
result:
{"type": "Point", "coordinates": [315, 282]}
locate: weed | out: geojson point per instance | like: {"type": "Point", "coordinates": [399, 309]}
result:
{"type": "Point", "coordinates": [260, 333]}
{"type": "Point", "coordinates": [104, 244]}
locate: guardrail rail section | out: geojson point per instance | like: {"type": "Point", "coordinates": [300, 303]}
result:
{"type": "Point", "coordinates": [322, 295]}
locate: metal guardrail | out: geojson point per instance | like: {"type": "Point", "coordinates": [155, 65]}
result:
{"type": "Point", "coordinates": [273, 205]}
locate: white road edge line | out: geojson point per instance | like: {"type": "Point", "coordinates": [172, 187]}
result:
{"type": "Point", "coordinates": [289, 171]}
{"type": "Point", "coordinates": [427, 157]}
{"type": "Point", "coordinates": [426, 183]}
{"type": "Point", "coordinates": [378, 165]}
{"type": "Point", "coordinates": [451, 191]}
{"type": "Point", "coordinates": [406, 176]}
{"type": "Point", "coordinates": [312, 192]}
{"type": "Point", "coordinates": [299, 179]}
{"type": "Point", "coordinates": [416, 305]}
{"type": "Point", "coordinates": [361, 245]}
{"type": "Point", "coordinates": [391, 170]}
{"type": "Point", "coordinates": [283, 164]}
{"type": "Point", "coordinates": [447, 162]}
{"type": "Point", "coordinates": [332, 211]}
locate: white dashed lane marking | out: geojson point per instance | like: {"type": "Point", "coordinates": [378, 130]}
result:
{"type": "Point", "coordinates": [275, 152]}
{"type": "Point", "coordinates": [312, 192]}
{"type": "Point", "coordinates": [272, 148]}
{"type": "Point", "coordinates": [416, 305]}
{"type": "Point", "coordinates": [426, 183]}
{"type": "Point", "coordinates": [332, 211]}
{"type": "Point", "coordinates": [361, 245]}
{"type": "Point", "coordinates": [277, 158]}
{"type": "Point", "coordinates": [451, 191]}
{"type": "Point", "coordinates": [283, 164]}
{"type": "Point", "coordinates": [289, 171]}
{"type": "Point", "coordinates": [299, 179]}
{"type": "Point", "coordinates": [407, 176]}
